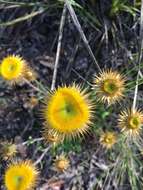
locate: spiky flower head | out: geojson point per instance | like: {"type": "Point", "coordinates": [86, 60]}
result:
{"type": "Point", "coordinates": [12, 68]}
{"type": "Point", "coordinates": [30, 74]}
{"type": "Point", "coordinates": [7, 150]}
{"type": "Point", "coordinates": [67, 112]}
{"type": "Point", "coordinates": [109, 86]}
{"type": "Point", "coordinates": [20, 175]}
{"type": "Point", "coordinates": [52, 137]}
{"type": "Point", "coordinates": [108, 139]}
{"type": "Point", "coordinates": [61, 163]}
{"type": "Point", "coordinates": [130, 121]}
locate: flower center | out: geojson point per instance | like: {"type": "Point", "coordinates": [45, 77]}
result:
{"type": "Point", "coordinates": [11, 67]}
{"type": "Point", "coordinates": [68, 111]}
{"type": "Point", "coordinates": [134, 123]}
{"type": "Point", "coordinates": [18, 180]}
{"type": "Point", "coordinates": [61, 164]}
{"type": "Point", "coordinates": [110, 87]}
{"type": "Point", "coordinates": [108, 139]}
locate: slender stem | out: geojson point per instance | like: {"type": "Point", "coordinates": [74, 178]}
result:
{"type": "Point", "coordinates": [59, 47]}
{"type": "Point", "coordinates": [139, 57]}
{"type": "Point", "coordinates": [79, 28]}
{"type": "Point", "coordinates": [32, 86]}
{"type": "Point", "coordinates": [42, 155]}
{"type": "Point", "coordinates": [41, 86]}
{"type": "Point", "coordinates": [33, 141]}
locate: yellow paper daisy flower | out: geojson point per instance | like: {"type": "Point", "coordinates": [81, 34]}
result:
{"type": "Point", "coordinates": [12, 68]}
{"type": "Point", "coordinates": [67, 112]}
{"type": "Point", "coordinates": [108, 139]}
{"type": "Point", "coordinates": [130, 121]}
{"type": "Point", "coordinates": [61, 163]}
{"type": "Point", "coordinates": [109, 86]}
{"type": "Point", "coordinates": [21, 175]}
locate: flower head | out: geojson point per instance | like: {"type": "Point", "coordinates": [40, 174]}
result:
{"type": "Point", "coordinates": [20, 175]}
{"type": "Point", "coordinates": [61, 163]}
{"type": "Point", "coordinates": [29, 74]}
{"type": "Point", "coordinates": [130, 121]}
{"type": "Point", "coordinates": [67, 112]}
{"type": "Point", "coordinates": [109, 86]}
{"type": "Point", "coordinates": [52, 137]}
{"type": "Point", "coordinates": [12, 68]}
{"type": "Point", "coordinates": [7, 150]}
{"type": "Point", "coordinates": [108, 139]}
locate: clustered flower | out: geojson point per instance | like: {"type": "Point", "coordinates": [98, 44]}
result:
{"type": "Point", "coordinates": [108, 139]}
{"type": "Point", "coordinates": [109, 86]}
{"type": "Point", "coordinates": [7, 150]}
{"type": "Point", "coordinates": [61, 163]}
{"type": "Point", "coordinates": [21, 175]}
{"type": "Point", "coordinates": [14, 69]}
{"type": "Point", "coordinates": [68, 112]}
{"type": "Point", "coordinates": [131, 121]}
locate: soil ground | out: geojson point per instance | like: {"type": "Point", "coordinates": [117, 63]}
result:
{"type": "Point", "coordinates": [113, 44]}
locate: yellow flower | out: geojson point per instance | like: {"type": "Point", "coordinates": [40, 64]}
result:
{"type": "Point", "coordinates": [21, 175]}
{"type": "Point", "coordinates": [7, 150]}
{"type": "Point", "coordinates": [61, 163]}
{"type": "Point", "coordinates": [109, 86]}
{"type": "Point", "coordinates": [12, 68]}
{"type": "Point", "coordinates": [108, 139]}
{"type": "Point", "coordinates": [29, 74]}
{"type": "Point", "coordinates": [67, 112]}
{"type": "Point", "coordinates": [52, 137]}
{"type": "Point", "coordinates": [130, 121]}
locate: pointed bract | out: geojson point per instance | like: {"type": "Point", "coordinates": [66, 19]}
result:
{"type": "Point", "coordinates": [130, 121]}
{"type": "Point", "coordinates": [61, 163]}
{"type": "Point", "coordinates": [67, 112]}
{"type": "Point", "coordinates": [14, 68]}
{"type": "Point", "coordinates": [21, 175]}
{"type": "Point", "coordinates": [109, 86]}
